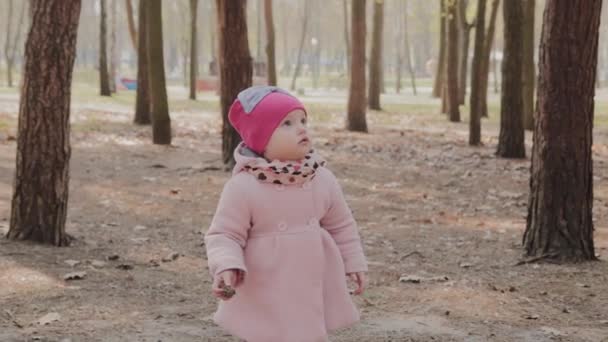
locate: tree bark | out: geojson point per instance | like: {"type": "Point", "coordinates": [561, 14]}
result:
{"type": "Point", "coordinates": [40, 193]}
{"type": "Point", "coordinates": [143, 102]}
{"type": "Point", "coordinates": [296, 73]}
{"type": "Point", "coordinates": [270, 43]}
{"type": "Point", "coordinates": [235, 66]}
{"type": "Point", "coordinates": [476, 70]}
{"type": "Point", "coordinates": [346, 35]}
{"type": "Point", "coordinates": [529, 70]}
{"type": "Point", "coordinates": [131, 23]}
{"type": "Point", "coordinates": [375, 63]}
{"type": "Point", "coordinates": [104, 85]}
{"type": "Point", "coordinates": [560, 222]}
{"type": "Point", "coordinates": [113, 52]}
{"type": "Point", "coordinates": [193, 48]}
{"type": "Point", "coordinates": [464, 39]}
{"type": "Point", "coordinates": [485, 72]}
{"type": "Point", "coordinates": [407, 52]}
{"type": "Point", "coordinates": [511, 138]}
{"type": "Point", "coordinates": [439, 75]}
{"type": "Point", "coordinates": [161, 122]}
{"type": "Point", "coordinates": [452, 63]}
{"type": "Point", "coordinates": [356, 120]}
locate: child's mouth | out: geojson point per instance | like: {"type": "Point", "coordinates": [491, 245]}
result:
{"type": "Point", "coordinates": [304, 141]}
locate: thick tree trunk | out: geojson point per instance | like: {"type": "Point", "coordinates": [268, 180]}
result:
{"type": "Point", "coordinates": [193, 48]}
{"type": "Point", "coordinates": [356, 96]}
{"type": "Point", "coordinates": [476, 69]}
{"type": "Point", "coordinates": [407, 52]}
{"type": "Point", "coordinates": [296, 73]}
{"type": "Point", "coordinates": [235, 66]}
{"type": "Point", "coordinates": [131, 23]}
{"type": "Point", "coordinates": [161, 122]}
{"type": "Point", "coordinates": [452, 63]}
{"type": "Point", "coordinates": [529, 70]}
{"type": "Point", "coordinates": [485, 72]}
{"type": "Point", "coordinates": [346, 37]}
{"type": "Point", "coordinates": [104, 85]}
{"type": "Point", "coordinates": [463, 57]}
{"type": "Point", "coordinates": [560, 221]}
{"type": "Point", "coordinates": [439, 74]}
{"type": "Point", "coordinates": [375, 63]}
{"type": "Point", "coordinates": [143, 102]}
{"type": "Point", "coordinates": [270, 43]}
{"type": "Point", "coordinates": [40, 193]}
{"type": "Point", "coordinates": [511, 138]}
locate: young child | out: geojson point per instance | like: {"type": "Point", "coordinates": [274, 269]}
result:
{"type": "Point", "coordinates": [282, 238]}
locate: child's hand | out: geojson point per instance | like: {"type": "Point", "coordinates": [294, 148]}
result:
{"type": "Point", "coordinates": [225, 282]}
{"type": "Point", "coordinates": [360, 278]}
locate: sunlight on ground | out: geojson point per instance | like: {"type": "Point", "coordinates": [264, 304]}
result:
{"type": "Point", "coordinates": [20, 280]}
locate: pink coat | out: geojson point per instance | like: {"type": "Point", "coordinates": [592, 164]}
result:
{"type": "Point", "coordinates": [295, 243]}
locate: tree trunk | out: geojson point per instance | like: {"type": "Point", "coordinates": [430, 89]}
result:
{"type": "Point", "coordinates": [40, 193]}
{"type": "Point", "coordinates": [529, 71]}
{"type": "Point", "coordinates": [131, 22]}
{"type": "Point", "coordinates": [439, 75]}
{"type": "Point", "coordinates": [235, 66]}
{"type": "Point", "coordinates": [452, 63]}
{"type": "Point", "coordinates": [113, 52]}
{"type": "Point", "coordinates": [560, 224]}
{"type": "Point", "coordinates": [485, 71]}
{"type": "Point", "coordinates": [161, 122]}
{"type": "Point", "coordinates": [296, 73]}
{"type": "Point", "coordinates": [258, 31]}
{"type": "Point", "coordinates": [398, 41]}
{"type": "Point", "coordinates": [511, 138]}
{"type": "Point", "coordinates": [375, 63]}
{"type": "Point", "coordinates": [406, 52]}
{"type": "Point", "coordinates": [143, 101]}
{"type": "Point", "coordinates": [104, 85]}
{"type": "Point", "coordinates": [464, 38]}
{"type": "Point", "coordinates": [476, 70]}
{"type": "Point", "coordinates": [193, 50]}
{"type": "Point", "coordinates": [346, 35]}
{"type": "Point", "coordinates": [270, 47]}
{"type": "Point", "coordinates": [356, 95]}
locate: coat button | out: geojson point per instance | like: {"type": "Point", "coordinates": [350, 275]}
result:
{"type": "Point", "coordinates": [282, 226]}
{"type": "Point", "coordinates": [312, 222]}
{"type": "Point", "coordinates": [279, 187]}
{"type": "Point", "coordinates": [306, 186]}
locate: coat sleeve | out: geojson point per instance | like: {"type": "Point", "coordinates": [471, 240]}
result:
{"type": "Point", "coordinates": [341, 225]}
{"type": "Point", "coordinates": [227, 235]}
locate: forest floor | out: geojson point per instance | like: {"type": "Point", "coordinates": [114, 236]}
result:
{"type": "Point", "coordinates": [445, 218]}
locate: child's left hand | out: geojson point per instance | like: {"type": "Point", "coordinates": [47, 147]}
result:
{"type": "Point", "coordinates": [360, 278]}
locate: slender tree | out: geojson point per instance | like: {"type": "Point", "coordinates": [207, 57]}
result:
{"type": "Point", "coordinates": [476, 69]}
{"type": "Point", "coordinates": [452, 63]}
{"type": "Point", "coordinates": [270, 48]}
{"type": "Point", "coordinates": [235, 66]}
{"type": "Point", "coordinates": [143, 110]}
{"type": "Point", "coordinates": [375, 63]}
{"type": "Point", "coordinates": [193, 48]}
{"type": "Point", "coordinates": [161, 122]}
{"type": "Point", "coordinates": [40, 189]}
{"type": "Point", "coordinates": [406, 43]}
{"type": "Point", "coordinates": [104, 85]}
{"type": "Point", "coordinates": [356, 96]}
{"type": "Point", "coordinates": [11, 40]}
{"type": "Point", "coordinates": [560, 221]}
{"type": "Point", "coordinates": [113, 49]}
{"type": "Point", "coordinates": [131, 24]}
{"type": "Point", "coordinates": [438, 85]}
{"type": "Point", "coordinates": [296, 73]}
{"type": "Point", "coordinates": [485, 71]}
{"type": "Point", "coordinates": [346, 35]}
{"type": "Point", "coordinates": [463, 57]}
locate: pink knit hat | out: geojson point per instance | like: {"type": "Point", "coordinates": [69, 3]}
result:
{"type": "Point", "coordinates": [257, 112]}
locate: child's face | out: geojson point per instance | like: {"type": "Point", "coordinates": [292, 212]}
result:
{"type": "Point", "coordinates": [290, 140]}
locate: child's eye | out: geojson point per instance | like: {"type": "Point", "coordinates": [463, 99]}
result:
{"type": "Point", "coordinates": [287, 123]}
{"type": "Point", "coordinates": [304, 121]}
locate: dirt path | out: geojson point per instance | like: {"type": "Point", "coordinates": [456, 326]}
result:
{"type": "Point", "coordinates": [444, 217]}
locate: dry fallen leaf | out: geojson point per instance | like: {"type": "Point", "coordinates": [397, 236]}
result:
{"type": "Point", "coordinates": [75, 276]}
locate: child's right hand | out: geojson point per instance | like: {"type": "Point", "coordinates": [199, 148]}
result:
{"type": "Point", "coordinates": [225, 282]}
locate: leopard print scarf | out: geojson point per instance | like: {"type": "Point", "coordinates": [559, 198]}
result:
{"type": "Point", "coordinates": [285, 173]}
